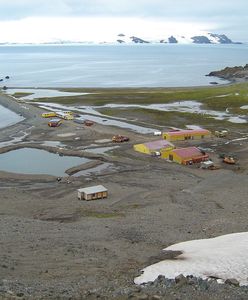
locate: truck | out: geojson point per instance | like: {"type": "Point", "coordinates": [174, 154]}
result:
{"type": "Point", "coordinates": [221, 133]}
{"type": "Point", "coordinates": [120, 138]}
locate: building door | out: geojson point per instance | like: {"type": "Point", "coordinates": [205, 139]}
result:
{"type": "Point", "coordinates": [171, 157]}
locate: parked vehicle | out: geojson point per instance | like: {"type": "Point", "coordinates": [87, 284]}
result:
{"type": "Point", "coordinates": [49, 114]}
{"type": "Point", "coordinates": [120, 139]}
{"type": "Point", "coordinates": [221, 133]}
{"type": "Point", "coordinates": [229, 160]}
{"type": "Point", "coordinates": [54, 122]}
{"type": "Point", "coordinates": [88, 123]}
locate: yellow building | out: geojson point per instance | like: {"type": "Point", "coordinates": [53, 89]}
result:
{"type": "Point", "coordinates": [190, 134]}
{"type": "Point", "coordinates": [185, 156]}
{"type": "Point", "coordinates": [154, 146]}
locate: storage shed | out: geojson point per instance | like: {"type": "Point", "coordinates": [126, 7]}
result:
{"type": "Point", "coordinates": [189, 134]}
{"type": "Point", "coordinates": [92, 193]}
{"type": "Point", "coordinates": [186, 156]}
{"type": "Point", "coordinates": [154, 146]}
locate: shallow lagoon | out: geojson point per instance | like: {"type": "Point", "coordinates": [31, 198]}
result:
{"type": "Point", "coordinates": [35, 161]}
{"type": "Point", "coordinates": [8, 117]}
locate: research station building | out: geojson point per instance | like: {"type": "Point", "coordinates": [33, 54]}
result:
{"type": "Point", "coordinates": [186, 156]}
{"type": "Point", "coordinates": [154, 146]}
{"type": "Point", "coordinates": [190, 134]}
{"type": "Point", "coordinates": [92, 193]}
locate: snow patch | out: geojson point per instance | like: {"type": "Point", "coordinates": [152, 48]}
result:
{"type": "Point", "coordinates": [221, 257]}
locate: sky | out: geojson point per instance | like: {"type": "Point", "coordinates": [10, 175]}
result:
{"type": "Point", "coordinates": [50, 20]}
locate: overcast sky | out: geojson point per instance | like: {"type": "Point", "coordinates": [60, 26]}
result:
{"type": "Point", "coordinates": [46, 19]}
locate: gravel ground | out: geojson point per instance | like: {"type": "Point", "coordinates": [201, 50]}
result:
{"type": "Point", "coordinates": [53, 246]}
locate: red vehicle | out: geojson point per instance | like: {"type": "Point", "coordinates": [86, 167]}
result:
{"type": "Point", "coordinates": [88, 123]}
{"type": "Point", "coordinates": [120, 139]}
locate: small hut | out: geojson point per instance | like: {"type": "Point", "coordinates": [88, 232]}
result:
{"type": "Point", "coordinates": [92, 193]}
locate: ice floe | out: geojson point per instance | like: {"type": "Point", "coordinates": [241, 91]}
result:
{"type": "Point", "coordinates": [221, 257]}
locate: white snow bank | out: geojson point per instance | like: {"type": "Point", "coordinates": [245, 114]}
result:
{"type": "Point", "coordinates": [222, 257]}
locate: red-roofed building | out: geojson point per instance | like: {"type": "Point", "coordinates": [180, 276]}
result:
{"type": "Point", "coordinates": [185, 156]}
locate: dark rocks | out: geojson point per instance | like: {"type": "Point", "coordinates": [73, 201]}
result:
{"type": "Point", "coordinates": [201, 39]}
{"type": "Point", "coordinates": [180, 279]}
{"type": "Point", "coordinates": [138, 40]}
{"type": "Point", "coordinates": [172, 40]}
{"type": "Point", "coordinates": [232, 281]}
{"type": "Point", "coordinates": [120, 41]}
{"type": "Point", "coordinates": [222, 38]}
{"type": "Point", "coordinates": [231, 73]}
{"type": "Point", "coordinates": [213, 82]}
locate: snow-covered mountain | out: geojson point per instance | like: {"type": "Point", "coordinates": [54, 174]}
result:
{"type": "Point", "coordinates": [203, 38]}
{"type": "Point", "coordinates": [200, 38]}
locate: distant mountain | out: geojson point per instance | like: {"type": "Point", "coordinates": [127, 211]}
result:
{"type": "Point", "coordinates": [121, 38]}
{"type": "Point", "coordinates": [208, 38]}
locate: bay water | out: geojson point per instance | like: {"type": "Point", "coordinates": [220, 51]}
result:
{"type": "Point", "coordinates": [116, 65]}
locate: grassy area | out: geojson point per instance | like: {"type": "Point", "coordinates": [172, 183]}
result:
{"type": "Point", "coordinates": [21, 94]}
{"type": "Point", "coordinates": [172, 118]}
{"type": "Point", "coordinates": [235, 95]}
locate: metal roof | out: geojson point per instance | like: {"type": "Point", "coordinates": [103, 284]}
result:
{"type": "Point", "coordinates": [188, 132]}
{"type": "Point", "coordinates": [189, 152]}
{"type": "Point", "coordinates": [159, 144]}
{"type": "Point", "coordinates": [93, 189]}
{"type": "Point", "coordinates": [55, 120]}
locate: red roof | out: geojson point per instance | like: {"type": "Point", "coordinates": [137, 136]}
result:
{"type": "Point", "coordinates": [159, 144]}
{"type": "Point", "coordinates": [189, 152]}
{"type": "Point", "coordinates": [188, 132]}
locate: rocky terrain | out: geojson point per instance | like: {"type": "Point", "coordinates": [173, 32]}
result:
{"type": "Point", "coordinates": [234, 74]}
{"type": "Point", "coordinates": [54, 246]}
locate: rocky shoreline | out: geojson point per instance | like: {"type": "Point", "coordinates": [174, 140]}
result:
{"type": "Point", "coordinates": [233, 74]}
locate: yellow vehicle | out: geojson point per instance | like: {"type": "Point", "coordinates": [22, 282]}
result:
{"type": "Point", "coordinates": [50, 114]}
{"type": "Point", "coordinates": [69, 113]}
{"type": "Point", "coordinates": [64, 115]}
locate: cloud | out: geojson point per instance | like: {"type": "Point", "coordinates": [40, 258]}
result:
{"type": "Point", "coordinates": [92, 29]}
{"type": "Point", "coordinates": [231, 15]}
{"type": "Point", "coordinates": [186, 9]}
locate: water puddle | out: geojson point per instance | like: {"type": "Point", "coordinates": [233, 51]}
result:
{"type": "Point", "coordinates": [35, 161]}
{"type": "Point", "coordinates": [53, 144]}
{"type": "Point", "coordinates": [41, 93]}
{"type": "Point", "coordinates": [101, 150]}
{"type": "Point", "coordinates": [184, 107]}
{"type": "Point", "coordinates": [97, 117]}
{"type": "Point", "coordinates": [14, 140]}
{"type": "Point", "coordinates": [8, 117]}
{"type": "Point", "coordinates": [96, 170]}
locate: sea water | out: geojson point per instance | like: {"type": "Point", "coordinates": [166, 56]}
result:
{"type": "Point", "coordinates": [161, 65]}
